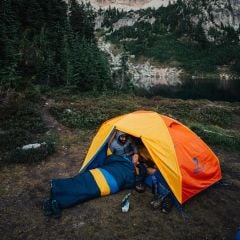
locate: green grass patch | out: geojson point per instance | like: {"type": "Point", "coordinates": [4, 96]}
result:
{"type": "Point", "coordinates": [216, 136]}
{"type": "Point", "coordinates": [213, 116]}
{"type": "Point", "coordinates": [212, 121]}
{"type": "Point", "coordinates": [196, 111]}
{"type": "Point", "coordinates": [91, 112]}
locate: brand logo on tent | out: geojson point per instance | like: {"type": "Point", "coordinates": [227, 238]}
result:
{"type": "Point", "coordinates": [199, 168]}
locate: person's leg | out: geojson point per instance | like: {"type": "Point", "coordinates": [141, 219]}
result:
{"type": "Point", "coordinates": [140, 178]}
{"type": "Point", "coordinates": [158, 187]}
{"type": "Point", "coordinates": [114, 175]}
{"type": "Point", "coordinates": [70, 191]}
{"type": "Point", "coordinates": [161, 197]}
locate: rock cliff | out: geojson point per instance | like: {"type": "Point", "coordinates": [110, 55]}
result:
{"type": "Point", "coordinates": [128, 4]}
{"type": "Point", "coordinates": [216, 18]}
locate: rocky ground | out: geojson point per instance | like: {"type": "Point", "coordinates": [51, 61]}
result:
{"type": "Point", "coordinates": [213, 214]}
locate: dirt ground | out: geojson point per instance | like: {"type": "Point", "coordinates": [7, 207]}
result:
{"type": "Point", "coordinates": [213, 214]}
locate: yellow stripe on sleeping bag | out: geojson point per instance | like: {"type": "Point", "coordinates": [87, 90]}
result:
{"type": "Point", "coordinates": [100, 181]}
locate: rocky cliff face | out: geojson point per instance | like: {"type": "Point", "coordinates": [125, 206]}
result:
{"type": "Point", "coordinates": [214, 16]}
{"type": "Point", "coordinates": [128, 4]}
{"type": "Point", "coordinates": [145, 74]}
{"type": "Point", "coordinates": [212, 13]}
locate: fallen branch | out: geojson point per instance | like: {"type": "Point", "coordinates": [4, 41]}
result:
{"type": "Point", "coordinates": [205, 130]}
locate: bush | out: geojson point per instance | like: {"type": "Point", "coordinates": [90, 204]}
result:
{"type": "Point", "coordinates": [79, 119]}
{"type": "Point", "coordinates": [217, 136]}
{"type": "Point", "coordinates": [33, 93]}
{"type": "Point", "coordinates": [91, 111]}
{"type": "Point", "coordinates": [21, 124]}
{"type": "Point", "coordinates": [32, 155]}
{"type": "Point", "coordinates": [214, 116]}
{"type": "Point", "coordinates": [14, 138]}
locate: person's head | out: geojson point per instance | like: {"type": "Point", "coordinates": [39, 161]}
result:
{"type": "Point", "coordinates": [121, 137]}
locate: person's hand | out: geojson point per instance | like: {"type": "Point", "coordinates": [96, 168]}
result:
{"type": "Point", "coordinates": [135, 159]}
{"type": "Point", "coordinates": [151, 171]}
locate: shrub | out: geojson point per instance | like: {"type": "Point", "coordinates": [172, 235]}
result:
{"type": "Point", "coordinates": [21, 124]}
{"type": "Point", "coordinates": [32, 155]}
{"type": "Point", "coordinates": [213, 115]}
{"type": "Point", "coordinates": [217, 136]}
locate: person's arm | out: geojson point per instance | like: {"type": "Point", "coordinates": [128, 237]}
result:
{"type": "Point", "coordinates": [111, 138]}
{"type": "Point", "coordinates": [135, 156]}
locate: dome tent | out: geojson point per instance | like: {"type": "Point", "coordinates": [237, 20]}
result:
{"type": "Point", "coordinates": [186, 163]}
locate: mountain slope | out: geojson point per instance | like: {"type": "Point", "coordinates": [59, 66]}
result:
{"type": "Point", "coordinates": [128, 4]}
{"type": "Point", "coordinates": [164, 46]}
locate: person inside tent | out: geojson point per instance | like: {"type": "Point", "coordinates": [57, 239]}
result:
{"type": "Point", "coordinates": [116, 172]}
{"type": "Point", "coordinates": [124, 145]}
{"type": "Point", "coordinates": [120, 170]}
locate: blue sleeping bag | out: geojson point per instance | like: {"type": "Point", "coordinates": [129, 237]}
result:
{"type": "Point", "coordinates": [114, 174]}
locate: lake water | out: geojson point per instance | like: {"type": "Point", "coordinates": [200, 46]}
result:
{"type": "Point", "coordinates": [212, 89]}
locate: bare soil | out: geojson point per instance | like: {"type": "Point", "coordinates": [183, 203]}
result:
{"type": "Point", "coordinates": [213, 214]}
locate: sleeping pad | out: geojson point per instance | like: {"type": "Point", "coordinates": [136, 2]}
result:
{"type": "Point", "coordinates": [114, 174]}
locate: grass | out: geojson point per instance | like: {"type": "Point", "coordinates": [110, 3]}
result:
{"type": "Point", "coordinates": [21, 184]}
{"type": "Point", "coordinates": [22, 124]}
{"type": "Point", "coordinates": [213, 115]}
{"type": "Point", "coordinates": [197, 111]}
{"type": "Point", "coordinates": [90, 112]}
{"type": "Point", "coordinates": [212, 121]}
{"type": "Point", "coordinates": [216, 136]}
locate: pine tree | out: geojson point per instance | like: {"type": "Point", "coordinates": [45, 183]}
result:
{"type": "Point", "coordinates": [81, 19]}
{"type": "Point", "coordinates": [9, 48]}
{"type": "Point", "coordinates": [67, 53]}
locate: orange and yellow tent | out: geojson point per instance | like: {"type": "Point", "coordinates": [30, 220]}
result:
{"type": "Point", "coordinates": [184, 160]}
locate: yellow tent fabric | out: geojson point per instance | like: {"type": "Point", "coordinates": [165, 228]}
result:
{"type": "Point", "coordinates": [151, 129]}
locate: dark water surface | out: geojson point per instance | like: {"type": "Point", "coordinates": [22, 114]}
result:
{"type": "Point", "coordinates": [212, 89]}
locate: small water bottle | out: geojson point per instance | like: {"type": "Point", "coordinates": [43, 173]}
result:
{"type": "Point", "coordinates": [125, 203]}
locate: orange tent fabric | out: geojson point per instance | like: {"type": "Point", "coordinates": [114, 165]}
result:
{"type": "Point", "coordinates": [185, 161]}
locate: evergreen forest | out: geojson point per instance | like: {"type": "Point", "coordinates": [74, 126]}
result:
{"type": "Point", "coordinates": [51, 43]}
